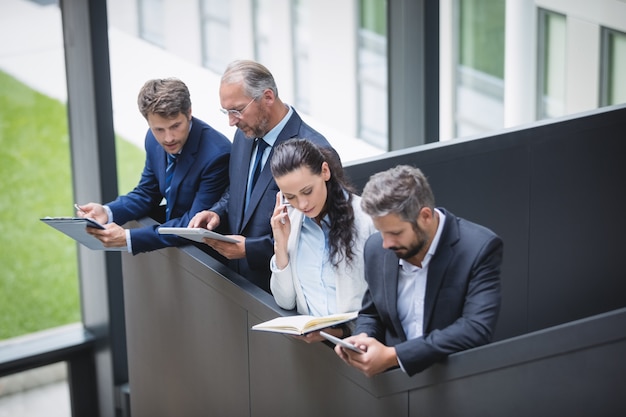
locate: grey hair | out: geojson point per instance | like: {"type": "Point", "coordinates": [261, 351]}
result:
{"type": "Point", "coordinates": [255, 77]}
{"type": "Point", "coordinates": [403, 190]}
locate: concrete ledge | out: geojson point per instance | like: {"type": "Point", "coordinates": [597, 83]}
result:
{"type": "Point", "coordinates": [33, 378]}
{"type": "Point", "coordinates": [38, 358]}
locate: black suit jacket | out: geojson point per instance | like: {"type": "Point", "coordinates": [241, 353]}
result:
{"type": "Point", "coordinates": [462, 299]}
{"type": "Point", "coordinates": [254, 223]}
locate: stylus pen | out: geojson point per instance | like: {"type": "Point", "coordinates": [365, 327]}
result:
{"type": "Point", "coordinates": [78, 208]}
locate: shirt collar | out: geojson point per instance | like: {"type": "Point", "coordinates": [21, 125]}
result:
{"type": "Point", "coordinates": [271, 136]}
{"type": "Point", "coordinates": [324, 224]}
{"type": "Point", "coordinates": [181, 149]}
{"type": "Point", "coordinates": [407, 266]}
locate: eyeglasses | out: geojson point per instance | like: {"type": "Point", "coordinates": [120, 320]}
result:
{"type": "Point", "coordinates": [237, 113]}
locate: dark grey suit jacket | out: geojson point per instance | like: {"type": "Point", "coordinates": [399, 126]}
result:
{"type": "Point", "coordinates": [462, 299]}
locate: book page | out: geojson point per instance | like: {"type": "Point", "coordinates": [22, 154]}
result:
{"type": "Point", "coordinates": [302, 324]}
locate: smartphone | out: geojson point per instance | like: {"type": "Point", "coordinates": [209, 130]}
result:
{"type": "Point", "coordinates": [340, 342]}
{"type": "Point", "coordinates": [284, 201]}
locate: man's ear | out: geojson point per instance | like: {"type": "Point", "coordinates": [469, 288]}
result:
{"type": "Point", "coordinates": [268, 96]}
{"type": "Point", "coordinates": [425, 214]}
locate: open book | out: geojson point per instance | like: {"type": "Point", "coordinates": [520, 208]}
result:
{"type": "Point", "coordinates": [303, 324]}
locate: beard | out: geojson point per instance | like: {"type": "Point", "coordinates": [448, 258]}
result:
{"type": "Point", "coordinates": [403, 252]}
{"type": "Point", "coordinates": [259, 129]}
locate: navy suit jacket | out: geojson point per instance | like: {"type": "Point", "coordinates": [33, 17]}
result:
{"type": "Point", "coordinates": [254, 223]}
{"type": "Point", "coordinates": [200, 178]}
{"type": "Point", "coordinates": [462, 299]}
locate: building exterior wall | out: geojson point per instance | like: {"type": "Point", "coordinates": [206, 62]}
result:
{"type": "Point", "coordinates": [333, 65]}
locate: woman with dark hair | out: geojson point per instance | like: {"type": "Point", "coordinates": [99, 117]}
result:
{"type": "Point", "coordinates": [319, 233]}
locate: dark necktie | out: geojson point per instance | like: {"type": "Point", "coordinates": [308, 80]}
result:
{"type": "Point", "coordinates": [169, 173]}
{"type": "Point", "coordinates": [258, 165]}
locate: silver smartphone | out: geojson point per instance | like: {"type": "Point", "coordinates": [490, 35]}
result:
{"type": "Point", "coordinates": [340, 342]}
{"type": "Point", "coordinates": [284, 201]}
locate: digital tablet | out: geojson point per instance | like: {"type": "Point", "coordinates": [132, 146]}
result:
{"type": "Point", "coordinates": [75, 227]}
{"type": "Point", "coordinates": [340, 342]}
{"type": "Point", "coordinates": [73, 220]}
{"type": "Point", "coordinates": [196, 234]}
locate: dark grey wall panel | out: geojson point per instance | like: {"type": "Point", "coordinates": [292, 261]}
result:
{"type": "Point", "coordinates": [191, 352]}
{"type": "Point", "coordinates": [577, 241]}
{"type": "Point", "coordinates": [552, 191]}
{"type": "Point", "coordinates": [569, 370]}
{"type": "Point", "coordinates": [174, 319]}
{"type": "Point", "coordinates": [291, 378]}
{"type": "Point", "coordinates": [550, 387]}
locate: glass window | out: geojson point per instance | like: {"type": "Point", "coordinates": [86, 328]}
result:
{"type": "Point", "coordinates": [551, 79]}
{"type": "Point", "coordinates": [301, 42]}
{"type": "Point", "coordinates": [215, 34]}
{"type": "Point", "coordinates": [614, 65]}
{"type": "Point", "coordinates": [151, 21]}
{"type": "Point", "coordinates": [262, 29]}
{"type": "Point", "coordinates": [372, 73]}
{"type": "Point", "coordinates": [480, 70]}
{"type": "Point", "coordinates": [39, 274]}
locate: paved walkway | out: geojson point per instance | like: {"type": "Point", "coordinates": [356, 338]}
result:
{"type": "Point", "coordinates": [49, 400]}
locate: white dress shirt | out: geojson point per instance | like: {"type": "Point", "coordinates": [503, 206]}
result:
{"type": "Point", "coordinates": [412, 288]}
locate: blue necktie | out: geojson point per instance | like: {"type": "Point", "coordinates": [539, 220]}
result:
{"type": "Point", "coordinates": [169, 173]}
{"type": "Point", "coordinates": [257, 167]}
{"type": "Point", "coordinates": [258, 164]}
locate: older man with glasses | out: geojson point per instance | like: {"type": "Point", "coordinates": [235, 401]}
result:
{"type": "Point", "coordinates": [249, 97]}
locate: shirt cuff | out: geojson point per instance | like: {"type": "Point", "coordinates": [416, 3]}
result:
{"type": "Point", "coordinates": [129, 245]}
{"type": "Point", "coordinates": [400, 363]}
{"type": "Point", "coordinates": [274, 268]}
{"type": "Point", "coordinates": [109, 214]}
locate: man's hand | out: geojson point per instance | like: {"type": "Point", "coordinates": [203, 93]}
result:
{"type": "Point", "coordinates": [376, 359]}
{"type": "Point", "coordinates": [205, 219]}
{"type": "Point", "coordinates": [93, 211]}
{"type": "Point", "coordinates": [113, 236]}
{"type": "Point", "coordinates": [227, 249]}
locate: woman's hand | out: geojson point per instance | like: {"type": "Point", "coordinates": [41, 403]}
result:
{"type": "Point", "coordinates": [281, 227]}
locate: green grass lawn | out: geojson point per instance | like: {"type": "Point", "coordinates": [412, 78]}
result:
{"type": "Point", "coordinates": [38, 273]}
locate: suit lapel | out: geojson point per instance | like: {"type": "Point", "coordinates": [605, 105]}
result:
{"type": "Point", "coordinates": [389, 277]}
{"type": "Point", "coordinates": [239, 182]}
{"type": "Point", "coordinates": [290, 130]}
{"type": "Point", "coordinates": [185, 160]}
{"type": "Point", "coordinates": [263, 182]}
{"type": "Point", "coordinates": [438, 266]}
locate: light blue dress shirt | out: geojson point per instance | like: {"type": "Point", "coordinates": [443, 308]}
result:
{"type": "Point", "coordinates": [270, 138]}
{"type": "Point", "coordinates": [316, 278]}
{"type": "Point", "coordinates": [129, 244]}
